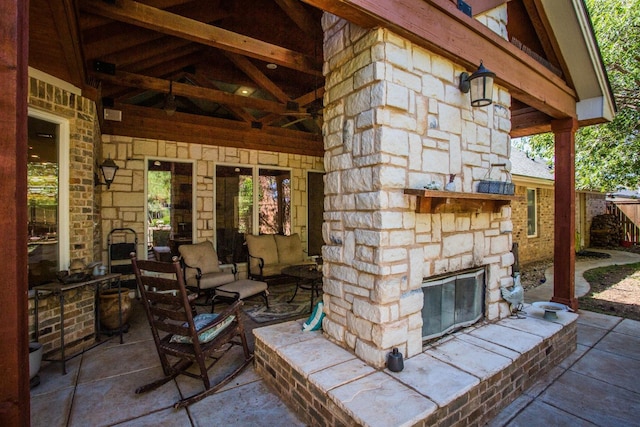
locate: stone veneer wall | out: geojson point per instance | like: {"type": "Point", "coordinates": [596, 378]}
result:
{"type": "Point", "coordinates": [395, 119]}
{"type": "Point", "coordinates": [85, 239]}
{"type": "Point", "coordinates": [124, 204]}
{"type": "Point", "coordinates": [540, 247]}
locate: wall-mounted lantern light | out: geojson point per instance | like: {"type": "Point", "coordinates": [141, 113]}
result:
{"type": "Point", "coordinates": [480, 84]}
{"type": "Point", "coordinates": [109, 169]}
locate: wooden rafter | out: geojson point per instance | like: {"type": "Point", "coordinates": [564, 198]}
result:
{"type": "Point", "coordinates": [151, 83]}
{"type": "Point", "coordinates": [299, 15]}
{"type": "Point", "coordinates": [165, 22]}
{"type": "Point", "coordinates": [257, 76]}
{"type": "Point", "coordinates": [240, 113]}
{"type": "Point", "coordinates": [67, 28]}
{"type": "Point", "coordinates": [154, 123]}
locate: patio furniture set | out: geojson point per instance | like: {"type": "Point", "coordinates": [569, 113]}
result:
{"type": "Point", "coordinates": [169, 291]}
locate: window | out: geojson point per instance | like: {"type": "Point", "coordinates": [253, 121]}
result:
{"type": "Point", "coordinates": [169, 204]}
{"type": "Point", "coordinates": [532, 212]}
{"type": "Point", "coordinates": [274, 195]}
{"type": "Point", "coordinates": [235, 199]}
{"type": "Point", "coordinates": [47, 196]}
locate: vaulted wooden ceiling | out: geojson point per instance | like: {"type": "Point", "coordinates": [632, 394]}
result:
{"type": "Point", "coordinates": [243, 72]}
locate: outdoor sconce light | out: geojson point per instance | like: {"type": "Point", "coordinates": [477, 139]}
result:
{"type": "Point", "coordinates": [480, 83]}
{"type": "Point", "coordinates": [109, 169]}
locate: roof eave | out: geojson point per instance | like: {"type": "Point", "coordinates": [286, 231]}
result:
{"type": "Point", "coordinates": [571, 23]}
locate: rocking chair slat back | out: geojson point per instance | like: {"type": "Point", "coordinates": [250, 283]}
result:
{"type": "Point", "coordinates": [171, 314]}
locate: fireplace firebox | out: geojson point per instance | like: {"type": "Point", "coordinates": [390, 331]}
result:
{"type": "Point", "coordinates": [452, 302]}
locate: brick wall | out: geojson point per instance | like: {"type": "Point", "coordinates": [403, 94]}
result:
{"type": "Point", "coordinates": [84, 212]}
{"type": "Point", "coordinates": [539, 247]}
{"type": "Point", "coordinates": [79, 315]}
{"type": "Point", "coordinates": [84, 137]}
{"type": "Point", "coordinates": [318, 406]}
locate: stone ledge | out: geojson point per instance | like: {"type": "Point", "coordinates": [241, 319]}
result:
{"type": "Point", "coordinates": [463, 379]}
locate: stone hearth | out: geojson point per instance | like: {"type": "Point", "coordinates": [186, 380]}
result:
{"type": "Point", "coordinates": [463, 379]}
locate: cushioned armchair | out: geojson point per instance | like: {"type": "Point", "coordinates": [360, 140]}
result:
{"type": "Point", "coordinates": [202, 271]}
{"type": "Point", "coordinates": [270, 253]}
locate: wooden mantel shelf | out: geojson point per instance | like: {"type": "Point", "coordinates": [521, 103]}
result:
{"type": "Point", "coordinates": [433, 201]}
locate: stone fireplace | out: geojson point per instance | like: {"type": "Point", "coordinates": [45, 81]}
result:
{"type": "Point", "coordinates": [404, 264]}
{"type": "Point", "coordinates": [395, 121]}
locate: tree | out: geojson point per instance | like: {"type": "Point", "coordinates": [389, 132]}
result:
{"type": "Point", "coordinates": [608, 155]}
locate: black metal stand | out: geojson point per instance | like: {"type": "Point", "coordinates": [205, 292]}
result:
{"type": "Point", "coordinates": [58, 289]}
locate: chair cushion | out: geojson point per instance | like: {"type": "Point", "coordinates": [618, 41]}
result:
{"type": "Point", "coordinates": [289, 249]}
{"type": "Point", "coordinates": [263, 246]}
{"type": "Point", "coordinates": [200, 321]}
{"type": "Point", "coordinates": [244, 288]}
{"type": "Point", "coordinates": [200, 255]}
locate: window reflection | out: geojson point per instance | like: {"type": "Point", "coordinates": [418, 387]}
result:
{"type": "Point", "coordinates": [42, 199]}
{"type": "Point", "coordinates": [234, 211]}
{"type": "Point", "coordinates": [234, 207]}
{"type": "Point", "coordinates": [169, 206]}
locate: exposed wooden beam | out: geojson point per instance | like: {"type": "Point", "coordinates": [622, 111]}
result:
{"type": "Point", "coordinates": [544, 32]}
{"type": "Point", "coordinates": [164, 59]}
{"type": "Point", "coordinates": [241, 113]}
{"type": "Point", "coordinates": [165, 22]}
{"type": "Point", "coordinates": [528, 121]}
{"type": "Point", "coordinates": [257, 76]}
{"type": "Point", "coordinates": [153, 123]}
{"type": "Point", "coordinates": [64, 16]}
{"type": "Point", "coordinates": [144, 51]}
{"type": "Point", "coordinates": [304, 100]}
{"type": "Point", "coordinates": [123, 78]}
{"type": "Point", "coordinates": [481, 6]}
{"type": "Point", "coordinates": [440, 27]}
{"type": "Point", "coordinates": [299, 15]}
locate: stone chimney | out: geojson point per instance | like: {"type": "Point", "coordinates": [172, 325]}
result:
{"type": "Point", "coordinates": [395, 120]}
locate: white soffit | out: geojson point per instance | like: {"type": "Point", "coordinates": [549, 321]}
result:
{"type": "Point", "coordinates": [572, 29]}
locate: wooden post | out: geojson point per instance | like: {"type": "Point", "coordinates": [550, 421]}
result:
{"type": "Point", "coordinates": [565, 203]}
{"type": "Point", "coordinates": [14, 346]}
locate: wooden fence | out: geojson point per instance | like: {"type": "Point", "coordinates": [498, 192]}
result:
{"type": "Point", "coordinates": [628, 213]}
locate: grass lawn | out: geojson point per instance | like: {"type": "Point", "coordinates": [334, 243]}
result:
{"type": "Point", "coordinates": [615, 290]}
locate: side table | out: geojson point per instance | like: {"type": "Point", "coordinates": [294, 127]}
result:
{"type": "Point", "coordinates": [58, 289]}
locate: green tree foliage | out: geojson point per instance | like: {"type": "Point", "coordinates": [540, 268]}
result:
{"type": "Point", "coordinates": [159, 195]}
{"type": "Point", "coordinates": [608, 155]}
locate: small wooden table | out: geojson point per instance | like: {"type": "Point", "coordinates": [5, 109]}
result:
{"type": "Point", "coordinates": [57, 288]}
{"type": "Point", "coordinates": [307, 278]}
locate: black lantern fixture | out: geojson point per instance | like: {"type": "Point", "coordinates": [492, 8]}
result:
{"type": "Point", "coordinates": [480, 84]}
{"type": "Point", "coordinates": [109, 169]}
{"type": "Point", "coordinates": [170, 101]}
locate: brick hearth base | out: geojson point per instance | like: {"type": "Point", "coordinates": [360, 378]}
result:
{"type": "Point", "coordinates": [464, 379]}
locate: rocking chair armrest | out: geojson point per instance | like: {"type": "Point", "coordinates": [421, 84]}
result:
{"type": "Point", "coordinates": [233, 309]}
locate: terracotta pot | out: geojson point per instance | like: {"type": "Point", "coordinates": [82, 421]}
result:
{"type": "Point", "coordinates": [109, 315]}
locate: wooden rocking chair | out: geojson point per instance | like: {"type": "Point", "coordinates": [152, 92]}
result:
{"type": "Point", "coordinates": [178, 335]}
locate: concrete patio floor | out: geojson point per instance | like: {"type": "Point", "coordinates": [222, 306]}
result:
{"type": "Point", "coordinates": [596, 385]}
